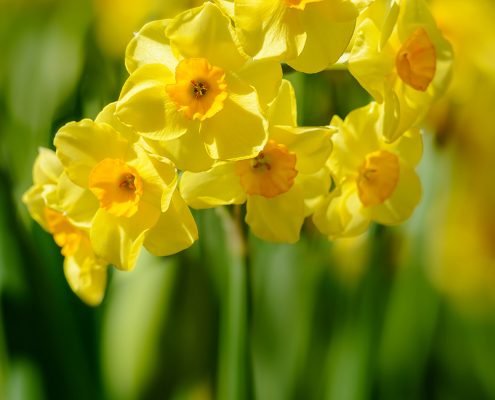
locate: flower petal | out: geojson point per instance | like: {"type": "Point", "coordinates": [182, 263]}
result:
{"type": "Point", "coordinates": [220, 185]}
{"type": "Point", "coordinates": [174, 231]}
{"type": "Point", "coordinates": [145, 105]}
{"type": "Point", "coordinates": [283, 109]}
{"type": "Point", "coordinates": [118, 239]}
{"type": "Point", "coordinates": [205, 32]}
{"type": "Point", "coordinates": [81, 145]}
{"type": "Point", "coordinates": [276, 219]}
{"type": "Point", "coordinates": [150, 46]}
{"type": "Point", "coordinates": [265, 76]}
{"type": "Point", "coordinates": [239, 130]}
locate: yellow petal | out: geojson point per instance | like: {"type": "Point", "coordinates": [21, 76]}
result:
{"type": "Point", "coordinates": [283, 109]}
{"type": "Point", "coordinates": [239, 131]}
{"type": "Point", "coordinates": [205, 32]}
{"type": "Point", "coordinates": [220, 185]}
{"type": "Point", "coordinates": [79, 204]}
{"type": "Point", "coordinates": [107, 116]}
{"type": "Point", "coordinates": [145, 105]}
{"type": "Point", "coordinates": [276, 219]}
{"type": "Point", "coordinates": [36, 205]}
{"type": "Point", "coordinates": [269, 29]}
{"type": "Point", "coordinates": [118, 239]}
{"type": "Point", "coordinates": [47, 167]}
{"type": "Point", "coordinates": [312, 145]}
{"type": "Point", "coordinates": [187, 152]}
{"type": "Point", "coordinates": [86, 275]}
{"type": "Point", "coordinates": [174, 231]}
{"type": "Point", "coordinates": [317, 54]}
{"type": "Point", "coordinates": [150, 46]}
{"type": "Point", "coordinates": [265, 76]}
{"type": "Point", "coordinates": [314, 188]}
{"type": "Point", "coordinates": [82, 145]}
{"type": "Point", "coordinates": [403, 201]}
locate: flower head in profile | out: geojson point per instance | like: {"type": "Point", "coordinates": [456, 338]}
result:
{"type": "Point", "coordinates": [374, 180]}
{"type": "Point", "coordinates": [86, 273]}
{"type": "Point", "coordinates": [281, 184]}
{"type": "Point", "coordinates": [401, 58]}
{"type": "Point", "coordinates": [307, 34]}
{"type": "Point", "coordinates": [195, 92]}
{"type": "Point", "coordinates": [134, 199]}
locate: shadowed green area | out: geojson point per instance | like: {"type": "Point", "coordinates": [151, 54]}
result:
{"type": "Point", "coordinates": [232, 317]}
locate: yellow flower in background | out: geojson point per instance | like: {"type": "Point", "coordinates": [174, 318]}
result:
{"type": "Point", "coordinates": [85, 272]}
{"type": "Point", "coordinates": [401, 58]}
{"type": "Point", "coordinates": [375, 180]}
{"type": "Point", "coordinates": [136, 198]}
{"type": "Point", "coordinates": [281, 184]}
{"type": "Point", "coordinates": [307, 34]}
{"type": "Point", "coordinates": [190, 85]}
{"type": "Point", "coordinates": [117, 20]}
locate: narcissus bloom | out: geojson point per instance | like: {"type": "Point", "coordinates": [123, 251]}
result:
{"type": "Point", "coordinates": [307, 34]}
{"type": "Point", "coordinates": [401, 58]}
{"type": "Point", "coordinates": [192, 89]}
{"type": "Point", "coordinates": [375, 180]}
{"type": "Point", "coordinates": [85, 272]}
{"type": "Point", "coordinates": [134, 196]}
{"type": "Point", "coordinates": [280, 184]}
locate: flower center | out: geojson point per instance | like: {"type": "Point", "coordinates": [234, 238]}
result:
{"type": "Point", "coordinates": [117, 186]}
{"type": "Point", "coordinates": [378, 177]}
{"type": "Point", "coordinates": [199, 89]}
{"type": "Point", "coordinates": [299, 4]}
{"type": "Point", "coordinates": [270, 173]}
{"type": "Point", "coordinates": [416, 60]}
{"type": "Point", "coordinates": [66, 235]}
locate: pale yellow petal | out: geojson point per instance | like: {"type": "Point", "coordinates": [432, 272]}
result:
{"type": "Point", "coordinates": [265, 76]}
{"type": "Point", "coordinates": [145, 105]}
{"type": "Point", "coordinates": [82, 145]}
{"type": "Point", "coordinates": [276, 219]}
{"type": "Point", "coordinates": [283, 109]}
{"type": "Point", "coordinates": [107, 116]}
{"type": "Point", "coordinates": [206, 32]}
{"type": "Point", "coordinates": [150, 46]}
{"type": "Point", "coordinates": [220, 185]}
{"type": "Point", "coordinates": [174, 231]}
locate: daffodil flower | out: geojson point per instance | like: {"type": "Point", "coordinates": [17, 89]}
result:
{"type": "Point", "coordinates": [375, 180]}
{"type": "Point", "coordinates": [401, 58]}
{"type": "Point", "coordinates": [192, 89]}
{"type": "Point", "coordinates": [134, 198]}
{"type": "Point", "coordinates": [281, 184]}
{"type": "Point", "coordinates": [309, 35]}
{"type": "Point", "coordinates": [85, 272]}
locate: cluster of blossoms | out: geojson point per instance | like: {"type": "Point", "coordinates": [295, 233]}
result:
{"type": "Point", "coordinates": [206, 96]}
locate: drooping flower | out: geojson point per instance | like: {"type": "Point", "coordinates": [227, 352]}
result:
{"type": "Point", "coordinates": [307, 34]}
{"type": "Point", "coordinates": [401, 58]}
{"type": "Point", "coordinates": [134, 196]}
{"type": "Point", "coordinates": [281, 184]}
{"type": "Point", "coordinates": [375, 180]}
{"type": "Point", "coordinates": [192, 89]}
{"type": "Point", "coordinates": [85, 272]}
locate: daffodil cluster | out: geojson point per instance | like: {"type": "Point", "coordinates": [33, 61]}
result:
{"type": "Point", "coordinates": [206, 119]}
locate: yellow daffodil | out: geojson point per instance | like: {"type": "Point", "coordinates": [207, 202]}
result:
{"type": "Point", "coordinates": [281, 184]}
{"type": "Point", "coordinates": [135, 201]}
{"type": "Point", "coordinates": [193, 90]}
{"type": "Point", "coordinates": [375, 180]}
{"type": "Point", "coordinates": [307, 34]}
{"type": "Point", "coordinates": [85, 272]}
{"type": "Point", "coordinates": [401, 58]}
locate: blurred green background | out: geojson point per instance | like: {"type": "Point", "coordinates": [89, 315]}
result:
{"type": "Point", "coordinates": [400, 313]}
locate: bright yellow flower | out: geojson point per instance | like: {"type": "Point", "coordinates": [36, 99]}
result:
{"type": "Point", "coordinates": [401, 58]}
{"type": "Point", "coordinates": [281, 184]}
{"type": "Point", "coordinates": [375, 180]}
{"type": "Point", "coordinates": [190, 85]}
{"type": "Point", "coordinates": [136, 198]}
{"type": "Point", "coordinates": [85, 272]}
{"type": "Point", "coordinates": [307, 34]}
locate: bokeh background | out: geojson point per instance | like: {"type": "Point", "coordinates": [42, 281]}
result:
{"type": "Point", "coordinates": [400, 313]}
